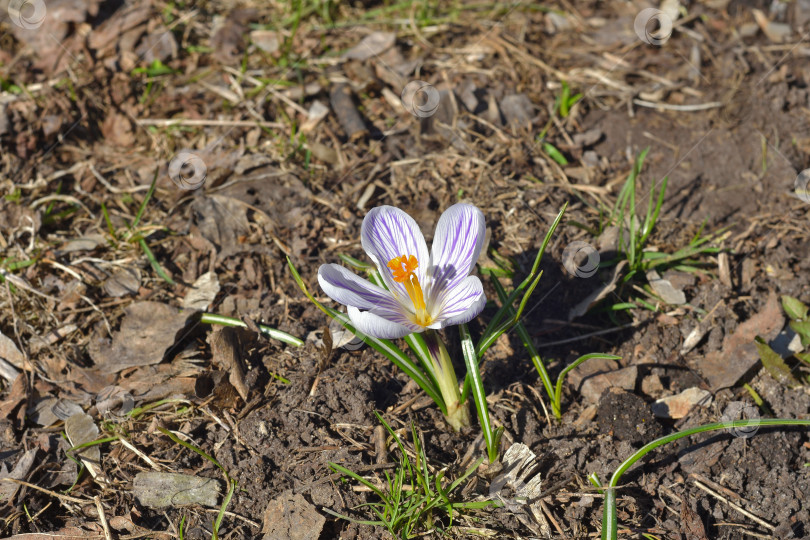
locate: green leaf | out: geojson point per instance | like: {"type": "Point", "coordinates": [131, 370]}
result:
{"type": "Point", "coordinates": [491, 436]}
{"type": "Point", "coordinates": [795, 308]}
{"type": "Point", "coordinates": [774, 365]}
{"type": "Point", "coordinates": [535, 356]}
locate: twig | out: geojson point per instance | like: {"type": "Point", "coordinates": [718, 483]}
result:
{"type": "Point", "coordinates": [237, 516]}
{"type": "Point", "coordinates": [140, 454]}
{"type": "Point", "coordinates": [8, 371]}
{"type": "Point", "coordinates": [112, 188]}
{"type": "Point", "coordinates": [65, 198]}
{"type": "Point", "coordinates": [102, 518]}
{"type": "Point", "coordinates": [48, 491]}
{"type": "Point", "coordinates": [167, 122]}
{"type": "Point", "coordinates": [682, 108]}
{"type": "Point", "coordinates": [736, 507]}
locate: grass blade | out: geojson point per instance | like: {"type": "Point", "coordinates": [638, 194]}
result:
{"type": "Point", "coordinates": [535, 356]}
{"type": "Point", "coordinates": [146, 199]}
{"type": "Point", "coordinates": [155, 264]}
{"type": "Point", "coordinates": [213, 318]}
{"type": "Point", "coordinates": [609, 518]}
{"type": "Point", "coordinates": [228, 479]}
{"type": "Point", "coordinates": [561, 377]}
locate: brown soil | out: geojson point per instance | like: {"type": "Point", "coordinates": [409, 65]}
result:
{"type": "Point", "coordinates": [82, 132]}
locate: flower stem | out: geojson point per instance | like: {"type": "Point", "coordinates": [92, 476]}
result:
{"type": "Point", "coordinates": [458, 413]}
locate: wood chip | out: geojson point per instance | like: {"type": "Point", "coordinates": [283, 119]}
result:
{"type": "Point", "coordinates": [225, 355]}
{"type": "Point", "coordinates": [340, 98]}
{"type": "Point", "coordinates": [10, 353]}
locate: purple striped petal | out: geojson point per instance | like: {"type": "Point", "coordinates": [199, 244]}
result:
{"type": "Point", "coordinates": [381, 327]}
{"type": "Point", "coordinates": [383, 317]}
{"type": "Point", "coordinates": [347, 288]}
{"type": "Point", "coordinates": [456, 246]}
{"type": "Point", "coordinates": [387, 233]}
{"type": "Point", "coordinates": [460, 304]}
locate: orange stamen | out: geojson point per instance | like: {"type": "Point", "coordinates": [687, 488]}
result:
{"type": "Point", "coordinates": [402, 270]}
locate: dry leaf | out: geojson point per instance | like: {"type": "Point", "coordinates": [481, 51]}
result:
{"type": "Point", "coordinates": [148, 329]}
{"type": "Point", "coordinates": [202, 293]}
{"type": "Point", "coordinates": [80, 429]}
{"type": "Point", "coordinates": [724, 368]}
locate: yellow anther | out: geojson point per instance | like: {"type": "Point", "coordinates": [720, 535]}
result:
{"type": "Point", "coordinates": [402, 270]}
{"type": "Point", "coordinates": [403, 267]}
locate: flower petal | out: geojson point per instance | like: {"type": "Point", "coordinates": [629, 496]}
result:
{"type": "Point", "coordinates": [374, 325]}
{"type": "Point", "coordinates": [456, 246]}
{"type": "Point", "coordinates": [460, 304]}
{"type": "Point", "coordinates": [388, 232]}
{"type": "Point", "coordinates": [384, 317]}
{"type": "Point", "coordinates": [341, 285]}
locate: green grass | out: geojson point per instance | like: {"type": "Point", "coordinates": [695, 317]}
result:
{"type": "Point", "coordinates": [414, 501]}
{"type": "Point", "coordinates": [633, 246]}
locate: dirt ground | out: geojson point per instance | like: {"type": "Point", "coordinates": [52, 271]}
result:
{"type": "Point", "coordinates": [270, 129]}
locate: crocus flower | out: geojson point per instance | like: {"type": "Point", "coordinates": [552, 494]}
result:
{"type": "Point", "coordinates": [425, 291]}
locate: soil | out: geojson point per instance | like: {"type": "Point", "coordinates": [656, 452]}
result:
{"type": "Point", "coordinates": [85, 126]}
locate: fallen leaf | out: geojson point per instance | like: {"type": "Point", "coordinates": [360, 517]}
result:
{"type": "Point", "coordinates": [225, 355]}
{"type": "Point", "coordinates": [371, 45]}
{"type": "Point", "coordinates": [114, 401]}
{"type": "Point", "coordinates": [80, 429]}
{"type": "Point", "coordinates": [725, 367]}
{"type": "Point", "coordinates": [664, 288]}
{"type": "Point", "coordinates": [10, 353]}
{"type": "Point", "coordinates": [679, 405]}
{"type": "Point", "coordinates": [228, 36]}
{"type": "Point", "coordinates": [202, 293]}
{"type": "Point", "coordinates": [775, 365]}
{"type": "Point", "coordinates": [161, 489]}
{"type": "Point", "coordinates": [692, 523]}
{"type": "Point", "coordinates": [147, 330]}
{"type": "Point", "coordinates": [123, 282]}
{"type": "Point", "coordinates": [293, 517]}
{"type": "Point", "coordinates": [266, 40]}
{"type": "Point", "coordinates": [68, 533]}
{"type": "Point", "coordinates": [222, 221]}
{"type": "Point", "coordinates": [20, 471]}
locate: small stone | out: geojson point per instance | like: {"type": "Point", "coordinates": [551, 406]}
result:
{"type": "Point", "coordinates": [665, 289]}
{"type": "Point", "coordinates": [590, 158]}
{"type": "Point", "coordinates": [679, 405]}
{"type": "Point", "coordinates": [517, 110]}
{"type": "Point", "coordinates": [588, 138]}
{"type": "Point", "coordinates": [651, 385]}
{"type": "Point", "coordinates": [585, 417]}
{"type": "Point", "coordinates": [589, 368]}
{"type": "Point", "coordinates": [593, 387]}
{"type": "Point", "coordinates": [266, 40]}
{"type": "Point", "coordinates": [291, 516]}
